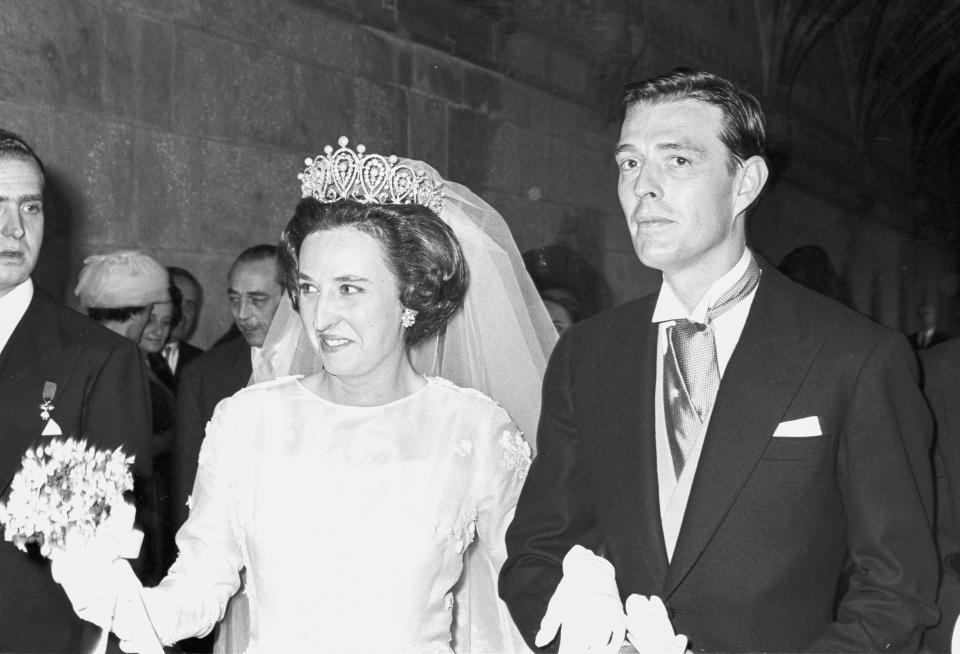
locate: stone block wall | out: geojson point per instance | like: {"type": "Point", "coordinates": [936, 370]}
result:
{"type": "Point", "coordinates": [178, 126]}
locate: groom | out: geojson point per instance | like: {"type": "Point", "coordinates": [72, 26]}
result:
{"type": "Point", "coordinates": [750, 452]}
{"type": "Point", "coordinates": [91, 380]}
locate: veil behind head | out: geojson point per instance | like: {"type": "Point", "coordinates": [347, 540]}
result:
{"type": "Point", "coordinates": [498, 343]}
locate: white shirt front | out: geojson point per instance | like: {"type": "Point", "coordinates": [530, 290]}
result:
{"type": "Point", "coordinates": [727, 328]}
{"type": "Point", "coordinates": [12, 307]}
{"type": "Point", "coordinates": [171, 353]}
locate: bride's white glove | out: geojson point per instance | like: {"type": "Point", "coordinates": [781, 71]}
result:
{"type": "Point", "coordinates": [586, 605]}
{"type": "Point", "coordinates": [649, 629]}
{"type": "Point", "coordinates": [85, 567]}
{"type": "Point", "coordinates": [101, 585]}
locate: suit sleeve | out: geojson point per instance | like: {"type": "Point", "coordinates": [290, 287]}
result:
{"type": "Point", "coordinates": [117, 406]}
{"type": "Point", "coordinates": [554, 510]}
{"type": "Point", "coordinates": [947, 468]}
{"type": "Point", "coordinates": [886, 486]}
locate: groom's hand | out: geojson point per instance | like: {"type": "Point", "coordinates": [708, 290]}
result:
{"type": "Point", "coordinates": [649, 629]}
{"type": "Point", "coordinates": [585, 608]}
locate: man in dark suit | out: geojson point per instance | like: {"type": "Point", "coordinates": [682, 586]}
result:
{"type": "Point", "coordinates": [750, 452]}
{"type": "Point", "coordinates": [92, 379]}
{"type": "Point", "coordinates": [254, 291]}
{"type": "Point", "coordinates": [930, 333]}
{"type": "Point", "coordinates": [941, 384]}
{"type": "Point", "coordinates": [168, 364]}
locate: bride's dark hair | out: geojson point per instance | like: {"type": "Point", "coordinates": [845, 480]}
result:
{"type": "Point", "coordinates": [420, 249]}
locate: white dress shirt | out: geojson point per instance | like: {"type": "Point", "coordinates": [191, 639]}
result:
{"type": "Point", "coordinates": [727, 328]}
{"type": "Point", "coordinates": [12, 307]}
{"type": "Point", "coordinates": [171, 354]}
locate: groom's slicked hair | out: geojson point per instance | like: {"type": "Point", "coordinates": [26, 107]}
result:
{"type": "Point", "coordinates": [419, 248]}
{"type": "Point", "coordinates": [744, 129]}
{"type": "Point", "coordinates": [14, 147]}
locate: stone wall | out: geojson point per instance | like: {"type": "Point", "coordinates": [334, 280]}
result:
{"type": "Point", "coordinates": [178, 126]}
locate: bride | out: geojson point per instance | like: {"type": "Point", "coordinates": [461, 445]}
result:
{"type": "Point", "coordinates": [365, 502]}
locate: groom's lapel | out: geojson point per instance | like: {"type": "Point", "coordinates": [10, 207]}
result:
{"type": "Point", "coordinates": [629, 455]}
{"type": "Point", "coordinates": [764, 373]}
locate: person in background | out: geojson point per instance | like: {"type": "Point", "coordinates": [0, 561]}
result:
{"type": "Point", "coordinates": [929, 333]}
{"type": "Point", "coordinates": [191, 306]}
{"type": "Point", "coordinates": [559, 269]}
{"type": "Point", "coordinates": [164, 317]}
{"type": "Point", "coordinates": [92, 379]}
{"type": "Point", "coordinates": [810, 266]}
{"type": "Point", "coordinates": [130, 293]}
{"type": "Point", "coordinates": [563, 307]}
{"type": "Point", "coordinates": [254, 291]}
{"type": "Point", "coordinates": [751, 454]}
{"type": "Point", "coordinates": [168, 363]}
{"type": "Point", "coordinates": [118, 290]}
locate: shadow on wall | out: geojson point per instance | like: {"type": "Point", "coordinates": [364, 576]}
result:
{"type": "Point", "coordinates": [55, 263]}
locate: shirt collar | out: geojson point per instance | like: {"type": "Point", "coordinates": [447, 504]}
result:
{"type": "Point", "coordinates": [669, 306]}
{"type": "Point", "coordinates": [12, 307]}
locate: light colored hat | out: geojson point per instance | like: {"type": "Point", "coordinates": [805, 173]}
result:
{"type": "Point", "coordinates": [127, 278]}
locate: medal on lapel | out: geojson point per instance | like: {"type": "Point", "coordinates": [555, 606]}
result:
{"type": "Point", "coordinates": [51, 428]}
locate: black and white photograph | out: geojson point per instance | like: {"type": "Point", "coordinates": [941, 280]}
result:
{"type": "Point", "coordinates": [479, 326]}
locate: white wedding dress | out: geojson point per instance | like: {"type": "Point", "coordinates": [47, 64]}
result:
{"type": "Point", "coordinates": [353, 524]}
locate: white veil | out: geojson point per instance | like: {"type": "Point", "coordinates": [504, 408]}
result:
{"type": "Point", "coordinates": [498, 343]}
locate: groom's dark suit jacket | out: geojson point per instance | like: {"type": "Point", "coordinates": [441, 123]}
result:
{"type": "Point", "coordinates": [787, 544]}
{"type": "Point", "coordinates": [100, 396]}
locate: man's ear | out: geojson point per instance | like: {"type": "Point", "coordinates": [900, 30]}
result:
{"type": "Point", "coordinates": [751, 178]}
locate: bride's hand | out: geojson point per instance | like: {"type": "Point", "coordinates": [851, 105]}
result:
{"type": "Point", "coordinates": [86, 568]}
{"type": "Point", "coordinates": [649, 629]}
{"type": "Point", "coordinates": [85, 572]}
{"type": "Point", "coordinates": [101, 585]}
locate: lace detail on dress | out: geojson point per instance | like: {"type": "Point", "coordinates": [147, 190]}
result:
{"type": "Point", "coordinates": [463, 533]}
{"type": "Point", "coordinates": [515, 455]}
{"type": "Point", "coordinates": [466, 390]}
{"type": "Point", "coordinates": [206, 457]}
{"type": "Point", "coordinates": [463, 448]}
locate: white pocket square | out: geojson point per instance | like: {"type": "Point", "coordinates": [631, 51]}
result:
{"type": "Point", "coordinates": [800, 428]}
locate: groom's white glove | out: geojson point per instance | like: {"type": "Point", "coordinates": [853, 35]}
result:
{"type": "Point", "coordinates": [649, 629]}
{"type": "Point", "coordinates": [586, 605]}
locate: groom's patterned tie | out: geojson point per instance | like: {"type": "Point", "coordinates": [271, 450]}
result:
{"type": "Point", "coordinates": [690, 373]}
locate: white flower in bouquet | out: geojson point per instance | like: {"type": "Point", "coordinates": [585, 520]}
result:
{"type": "Point", "coordinates": [63, 487]}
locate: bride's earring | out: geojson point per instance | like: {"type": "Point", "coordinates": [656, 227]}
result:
{"type": "Point", "coordinates": [407, 318]}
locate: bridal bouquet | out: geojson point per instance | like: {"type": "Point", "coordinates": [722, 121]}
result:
{"type": "Point", "coordinates": [63, 487]}
{"type": "Point", "coordinates": [67, 498]}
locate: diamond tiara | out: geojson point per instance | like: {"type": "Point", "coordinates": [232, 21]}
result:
{"type": "Point", "coordinates": [368, 178]}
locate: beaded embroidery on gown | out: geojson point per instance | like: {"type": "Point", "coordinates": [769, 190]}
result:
{"type": "Point", "coordinates": [353, 523]}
